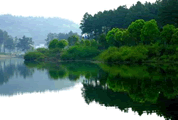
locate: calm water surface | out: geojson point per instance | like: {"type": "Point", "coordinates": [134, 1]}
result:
{"type": "Point", "coordinates": [85, 91]}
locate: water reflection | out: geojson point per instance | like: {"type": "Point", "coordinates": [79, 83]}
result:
{"type": "Point", "coordinates": [16, 77]}
{"type": "Point", "coordinates": [144, 88]}
{"type": "Point", "coordinates": [149, 89]}
{"type": "Point", "coordinates": [11, 67]}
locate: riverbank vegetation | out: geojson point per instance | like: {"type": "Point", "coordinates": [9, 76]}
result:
{"type": "Point", "coordinates": [145, 39]}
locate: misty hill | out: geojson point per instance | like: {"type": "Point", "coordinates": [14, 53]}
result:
{"type": "Point", "coordinates": [36, 27]}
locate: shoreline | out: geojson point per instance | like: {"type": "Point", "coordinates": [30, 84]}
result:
{"type": "Point", "coordinates": [7, 56]}
{"type": "Point", "coordinates": [97, 61]}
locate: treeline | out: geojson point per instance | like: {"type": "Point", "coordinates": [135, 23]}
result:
{"type": "Point", "coordinates": [72, 48]}
{"type": "Point", "coordinates": [163, 11]}
{"type": "Point", "coordinates": [7, 42]}
{"type": "Point", "coordinates": [59, 36]}
{"type": "Point", "coordinates": [142, 41]}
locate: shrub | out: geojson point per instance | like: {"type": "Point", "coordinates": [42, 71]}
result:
{"type": "Point", "coordinates": [62, 43]}
{"type": "Point", "coordinates": [80, 53]}
{"type": "Point", "coordinates": [32, 56]}
{"type": "Point", "coordinates": [124, 53]}
{"type": "Point", "coordinates": [53, 44]}
{"type": "Point", "coordinates": [42, 50]}
{"type": "Point", "coordinates": [154, 50]}
{"type": "Point", "coordinates": [87, 43]}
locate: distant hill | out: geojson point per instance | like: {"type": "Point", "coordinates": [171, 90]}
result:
{"type": "Point", "coordinates": [36, 27]}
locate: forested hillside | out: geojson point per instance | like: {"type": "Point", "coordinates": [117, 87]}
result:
{"type": "Point", "coordinates": [163, 11]}
{"type": "Point", "coordinates": [36, 27]}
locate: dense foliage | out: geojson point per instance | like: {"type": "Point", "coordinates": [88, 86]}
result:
{"type": "Point", "coordinates": [142, 42]}
{"type": "Point", "coordinates": [163, 11]}
{"type": "Point", "coordinates": [80, 53]}
{"type": "Point", "coordinates": [71, 37]}
{"type": "Point", "coordinates": [122, 35]}
{"type": "Point", "coordinates": [32, 56]}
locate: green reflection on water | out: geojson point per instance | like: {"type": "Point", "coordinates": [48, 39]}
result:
{"type": "Point", "coordinates": [152, 88]}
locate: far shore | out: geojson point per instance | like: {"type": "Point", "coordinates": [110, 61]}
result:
{"type": "Point", "coordinates": [7, 56]}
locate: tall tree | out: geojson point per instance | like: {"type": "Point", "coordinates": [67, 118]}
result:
{"type": "Point", "coordinates": [73, 39]}
{"type": "Point", "coordinates": [166, 34]}
{"type": "Point", "coordinates": [1, 39]}
{"type": "Point", "coordinates": [135, 30]}
{"type": "Point", "coordinates": [168, 12]}
{"type": "Point", "coordinates": [110, 37]}
{"type": "Point", "coordinates": [25, 43]}
{"type": "Point", "coordinates": [150, 32]}
{"type": "Point", "coordinates": [5, 37]}
{"type": "Point", "coordinates": [86, 25]}
{"type": "Point", "coordinates": [9, 44]}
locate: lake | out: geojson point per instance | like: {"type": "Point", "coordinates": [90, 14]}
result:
{"type": "Point", "coordinates": [85, 91]}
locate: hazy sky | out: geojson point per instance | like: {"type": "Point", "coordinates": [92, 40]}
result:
{"type": "Point", "coordinates": [68, 9]}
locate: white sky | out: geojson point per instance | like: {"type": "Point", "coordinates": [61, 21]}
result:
{"type": "Point", "coordinates": [68, 9]}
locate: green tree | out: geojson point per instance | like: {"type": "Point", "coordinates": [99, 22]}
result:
{"type": "Point", "coordinates": [110, 37]}
{"type": "Point", "coordinates": [82, 42]}
{"type": "Point", "coordinates": [174, 39]}
{"type": "Point", "coordinates": [150, 32]}
{"type": "Point", "coordinates": [62, 43]}
{"type": "Point", "coordinates": [86, 25]}
{"type": "Point", "coordinates": [135, 30]}
{"type": "Point", "coordinates": [119, 38]}
{"type": "Point", "coordinates": [93, 43]}
{"type": "Point", "coordinates": [25, 43]}
{"type": "Point", "coordinates": [102, 40]}
{"type": "Point", "coordinates": [87, 43]}
{"type": "Point", "coordinates": [127, 40]}
{"type": "Point", "coordinates": [166, 34]}
{"type": "Point", "coordinates": [53, 43]}
{"type": "Point", "coordinates": [73, 39]}
{"type": "Point", "coordinates": [168, 12]}
{"type": "Point", "coordinates": [50, 36]}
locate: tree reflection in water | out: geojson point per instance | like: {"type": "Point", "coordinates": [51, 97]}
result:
{"type": "Point", "coordinates": [12, 67]}
{"type": "Point", "coordinates": [143, 88]}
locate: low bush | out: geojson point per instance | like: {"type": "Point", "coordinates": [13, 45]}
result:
{"type": "Point", "coordinates": [80, 53]}
{"type": "Point", "coordinates": [42, 50]}
{"type": "Point", "coordinates": [124, 53]}
{"type": "Point", "coordinates": [32, 56]}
